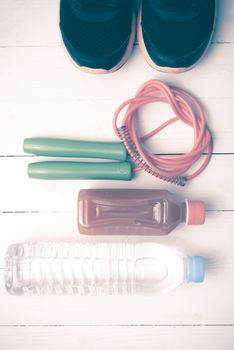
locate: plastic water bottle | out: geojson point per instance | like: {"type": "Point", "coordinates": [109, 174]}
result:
{"type": "Point", "coordinates": [94, 269]}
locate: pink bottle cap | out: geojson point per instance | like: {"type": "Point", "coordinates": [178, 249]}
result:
{"type": "Point", "coordinates": [195, 212]}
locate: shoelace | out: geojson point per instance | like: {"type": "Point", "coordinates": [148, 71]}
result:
{"type": "Point", "coordinates": [187, 109]}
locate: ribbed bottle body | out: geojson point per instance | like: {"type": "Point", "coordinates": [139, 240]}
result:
{"type": "Point", "coordinates": [92, 269]}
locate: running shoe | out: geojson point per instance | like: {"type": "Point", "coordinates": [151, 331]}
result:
{"type": "Point", "coordinates": [98, 34]}
{"type": "Point", "coordinates": [174, 34]}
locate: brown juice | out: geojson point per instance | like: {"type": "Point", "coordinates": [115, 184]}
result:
{"type": "Point", "coordinates": [134, 212]}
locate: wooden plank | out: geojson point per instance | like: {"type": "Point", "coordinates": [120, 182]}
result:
{"type": "Point", "coordinates": [29, 23]}
{"type": "Point", "coordinates": [19, 193]}
{"type": "Point", "coordinates": [116, 338]}
{"type": "Point", "coordinates": [207, 303]}
{"type": "Point", "coordinates": [92, 119]}
{"type": "Point", "coordinates": [35, 100]}
{"type": "Point", "coordinates": [46, 73]}
{"type": "Point", "coordinates": [18, 16]}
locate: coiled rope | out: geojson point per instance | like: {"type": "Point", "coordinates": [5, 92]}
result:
{"type": "Point", "coordinates": [171, 168]}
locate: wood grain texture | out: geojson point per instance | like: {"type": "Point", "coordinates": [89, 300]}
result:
{"type": "Point", "coordinates": [43, 94]}
{"type": "Point", "coordinates": [115, 338]}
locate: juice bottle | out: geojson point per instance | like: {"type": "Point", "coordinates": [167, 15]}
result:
{"type": "Point", "coordinates": [134, 212]}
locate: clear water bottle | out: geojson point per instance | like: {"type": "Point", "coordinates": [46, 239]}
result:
{"type": "Point", "coordinates": [94, 269]}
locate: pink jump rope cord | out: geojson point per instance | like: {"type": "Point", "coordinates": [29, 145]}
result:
{"type": "Point", "coordinates": [187, 110]}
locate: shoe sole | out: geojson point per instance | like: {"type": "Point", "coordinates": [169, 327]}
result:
{"type": "Point", "coordinates": [115, 68]}
{"type": "Point", "coordinates": [160, 68]}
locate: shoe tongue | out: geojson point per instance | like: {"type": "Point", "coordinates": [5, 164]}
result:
{"type": "Point", "coordinates": [176, 2]}
{"type": "Point", "coordinates": [96, 10]}
{"type": "Point", "coordinates": [177, 10]}
{"type": "Point", "coordinates": [98, 2]}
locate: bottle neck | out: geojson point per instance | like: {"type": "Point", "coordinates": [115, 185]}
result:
{"type": "Point", "coordinates": [184, 212]}
{"type": "Point", "coordinates": [194, 269]}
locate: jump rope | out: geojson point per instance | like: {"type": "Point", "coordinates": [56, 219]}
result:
{"type": "Point", "coordinates": [171, 168]}
{"type": "Point", "coordinates": [187, 110]}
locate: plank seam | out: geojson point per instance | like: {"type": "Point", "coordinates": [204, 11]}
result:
{"type": "Point", "coordinates": [120, 325]}
{"type": "Point", "coordinates": [59, 45]}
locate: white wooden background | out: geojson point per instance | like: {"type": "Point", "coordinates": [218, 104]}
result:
{"type": "Point", "coordinates": [43, 94]}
